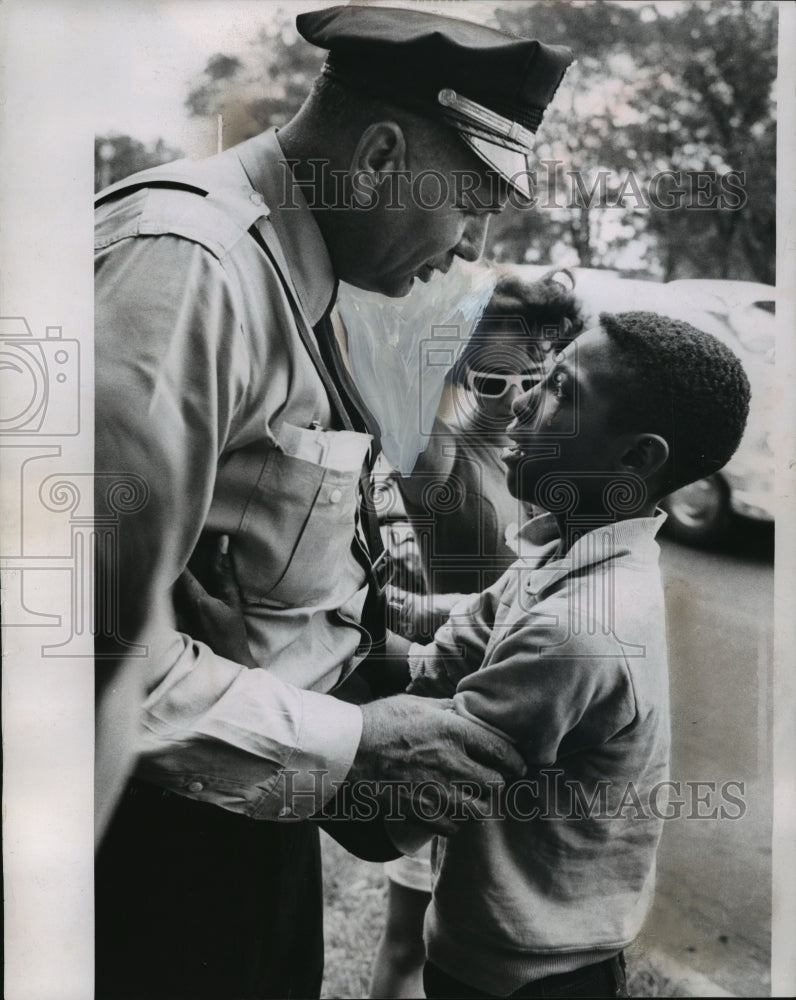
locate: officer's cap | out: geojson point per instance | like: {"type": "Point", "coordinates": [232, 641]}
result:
{"type": "Point", "coordinates": [492, 87]}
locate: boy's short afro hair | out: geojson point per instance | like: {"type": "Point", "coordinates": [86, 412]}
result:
{"type": "Point", "coordinates": [685, 385]}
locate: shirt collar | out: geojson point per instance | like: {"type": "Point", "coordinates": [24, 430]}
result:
{"type": "Point", "coordinates": [298, 233]}
{"type": "Point", "coordinates": [539, 543]}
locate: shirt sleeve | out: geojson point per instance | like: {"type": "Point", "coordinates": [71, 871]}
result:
{"type": "Point", "coordinates": [459, 646]}
{"type": "Point", "coordinates": [551, 691]}
{"type": "Point", "coordinates": [172, 370]}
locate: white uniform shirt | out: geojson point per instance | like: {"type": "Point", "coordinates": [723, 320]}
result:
{"type": "Point", "coordinates": [205, 389]}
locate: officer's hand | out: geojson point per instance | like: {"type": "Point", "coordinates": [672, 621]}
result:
{"type": "Point", "coordinates": [435, 766]}
{"type": "Point", "coordinates": [215, 615]}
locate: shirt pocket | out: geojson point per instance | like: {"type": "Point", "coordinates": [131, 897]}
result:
{"type": "Point", "coordinates": [295, 536]}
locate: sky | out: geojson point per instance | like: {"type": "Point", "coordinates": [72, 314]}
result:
{"type": "Point", "coordinates": [146, 56]}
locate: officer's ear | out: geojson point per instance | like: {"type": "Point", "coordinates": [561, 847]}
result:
{"type": "Point", "coordinates": [642, 454]}
{"type": "Point", "coordinates": [380, 151]}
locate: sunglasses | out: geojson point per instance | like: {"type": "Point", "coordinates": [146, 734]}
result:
{"type": "Point", "coordinates": [495, 385]}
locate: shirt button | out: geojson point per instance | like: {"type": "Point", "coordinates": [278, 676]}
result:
{"type": "Point", "coordinates": [196, 786]}
{"type": "Point", "coordinates": [256, 198]}
{"type": "Point", "coordinates": [335, 496]}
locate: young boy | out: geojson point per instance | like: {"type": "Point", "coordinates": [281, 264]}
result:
{"type": "Point", "coordinates": [566, 654]}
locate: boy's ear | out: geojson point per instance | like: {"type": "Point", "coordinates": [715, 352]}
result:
{"type": "Point", "coordinates": [643, 454]}
{"type": "Point", "coordinates": [381, 150]}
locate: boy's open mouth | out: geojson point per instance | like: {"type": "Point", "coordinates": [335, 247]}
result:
{"type": "Point", "coordinates": [512, 451]}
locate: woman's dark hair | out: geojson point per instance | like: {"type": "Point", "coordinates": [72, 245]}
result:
{"type": "Point", "coordinates": [534, 313]}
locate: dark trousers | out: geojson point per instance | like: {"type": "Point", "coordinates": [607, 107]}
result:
{"type": "Point", "coordinates": [196, 902]}
{"type": "Point", "coordinates": [603, 979]}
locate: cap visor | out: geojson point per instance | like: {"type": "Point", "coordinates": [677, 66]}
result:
{"type": "Point", "coordinates": [509, 163]}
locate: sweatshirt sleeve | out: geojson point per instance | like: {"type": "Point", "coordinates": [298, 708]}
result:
{"type": "Point", "coordinates": [459, 646]}
{"type": "Point", "coordinates": [552, 692]}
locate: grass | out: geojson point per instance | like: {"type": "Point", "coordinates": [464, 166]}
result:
{"type": "Point", "coordinates": [355, 895]}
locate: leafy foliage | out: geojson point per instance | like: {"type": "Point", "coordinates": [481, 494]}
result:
{"type": "Point", "coordinates": [118, 156]}
{"type": "Point", "coordinates": [684, 88]}
{"type": "Point", "coordinates": [260, 87]}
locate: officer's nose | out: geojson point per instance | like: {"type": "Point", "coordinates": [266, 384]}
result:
{"type": "Point", "coordinates": [471, 245]}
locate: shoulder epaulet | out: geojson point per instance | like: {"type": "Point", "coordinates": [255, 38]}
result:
{"type": "Point", "coordinates": [228, 209]}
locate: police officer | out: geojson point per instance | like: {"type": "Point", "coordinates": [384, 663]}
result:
{"type": "Point", "coordinates": [214, 356]}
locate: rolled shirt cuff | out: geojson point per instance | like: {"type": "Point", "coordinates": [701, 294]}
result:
{"type": "Point", "coordinates": [249, 742]}
{"type": "Point", "coordinates": [328, 741]}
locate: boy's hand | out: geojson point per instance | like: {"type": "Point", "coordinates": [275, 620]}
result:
{"type": "Point", "coordinates": [436, 676]}
{"type": "Point", "coordinates": [418, 616]}
{"type": "Point", "coordinates": [429, 685]}
{"type": "Point", "coordinates": [215, 615]}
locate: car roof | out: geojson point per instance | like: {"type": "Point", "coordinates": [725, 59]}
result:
{"type": "Point", "coordinates": [731, 310]}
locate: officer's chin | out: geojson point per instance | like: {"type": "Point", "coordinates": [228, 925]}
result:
{"type": "Point", "coordinates": [396, 288]}
{"type": "Point", "coordinates": [392, 287]}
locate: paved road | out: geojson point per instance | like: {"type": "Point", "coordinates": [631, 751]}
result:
{"type": "Point", "coordinates": [712, 908]}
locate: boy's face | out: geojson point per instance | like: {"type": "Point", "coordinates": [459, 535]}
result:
{"type": "Point", "coordinates": [566, 425]}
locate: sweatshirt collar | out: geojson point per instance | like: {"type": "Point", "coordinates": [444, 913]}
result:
{"type": "Point", "coordinates": [540, 543]}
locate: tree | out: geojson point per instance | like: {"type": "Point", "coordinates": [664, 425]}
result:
{"type": "Point", "coordinates": [685, 88]}
{"type": "Point", "coordinates": [263, 85]}
{"type": "Point", "coordinates": [580, 150]}
{"type": "Point", "coordinates": [118, 156]}
{"type": "Point", "coordinates": [715, 112]}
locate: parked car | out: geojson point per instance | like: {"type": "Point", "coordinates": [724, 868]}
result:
{"type": "Point", "coordinates": [741, 315]}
